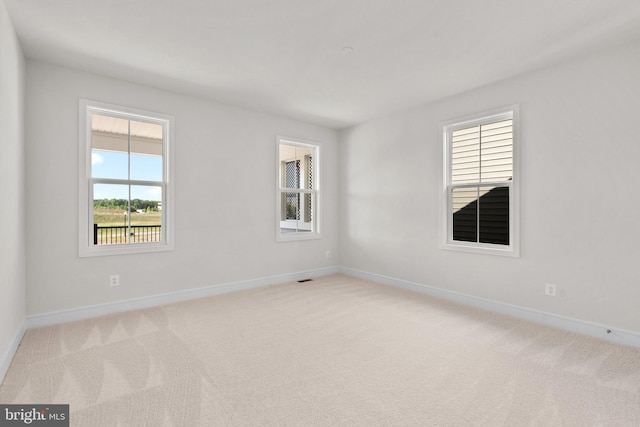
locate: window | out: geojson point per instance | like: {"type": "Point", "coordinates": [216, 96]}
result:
{"type": "Point", "coordinates": [125, 187]}
{"type": "Point", "coordinates": [479, 201]}
{"type": "Point", "coordinates": [297, 212]}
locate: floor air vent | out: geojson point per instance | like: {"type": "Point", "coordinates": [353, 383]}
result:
{"type": "Point", "coordinates": [304, 280]}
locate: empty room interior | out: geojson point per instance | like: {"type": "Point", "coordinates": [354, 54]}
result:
{"type": "Point", "coordinates": [321, 212]}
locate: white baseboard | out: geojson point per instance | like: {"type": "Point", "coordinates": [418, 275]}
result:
{"type": "Point", "coordinates": [609, 333]}
{"type": "Point", "coordinates": [582, 327]}
{"type": "Point", "coordinates": [5, 362]}
{"type": "Point", "coordinates": [86, 312]}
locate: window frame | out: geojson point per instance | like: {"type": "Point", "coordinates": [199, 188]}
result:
{"type": "Point", "coordinates": [446, 215]}
{"type": "Point", "coordinates": [316, 217]}
{"type": "Point", "coordinates": [85, 204]}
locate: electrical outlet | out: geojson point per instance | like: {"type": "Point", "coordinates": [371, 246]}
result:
{"type": "Point", "coordinates": [114, 280]}
{"type": "Point", "coordinates": [550, 289]}
{"type": "Point", "coordinates": [328, 254]}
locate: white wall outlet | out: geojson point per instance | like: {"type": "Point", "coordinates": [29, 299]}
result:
{"type": "Point", "coordinates": [327, 254]}
{"type": "Point", "coordinates": [114, 280]}
{"type": "Point", "coordinates": [550, 289]}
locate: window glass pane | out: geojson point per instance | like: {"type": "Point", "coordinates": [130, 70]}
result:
{"type": "Point", "coordinates": [109, 164]}
{"type": "Point", "coordinates": [146, 168]}
{"type": "Point", "coordinates": [308, 172]}
{"type": "Point", "coordinates": [146, 151]}
{"type": "Point", "coordinates": [290, 206]}
{"type": "Point", "coordinates": [494, 215]}
{"type": "Point", "coordinates": [110, 216]}
{"type": "Point", "coordinates": [146, 214]}
{"type": "Point", "coordinates": [465, 155]}
{"type": "Point", "coordinates": [482, 153]}
{"type": "Point", "coordinates": [307, 207]}
{"type": "Point", "coordinates": [465, 214]}
{"type": "Point", "coordinates": [296, 167]}
{"type": "Point", "coordinates": [296, 213]}
{"type": "Point", "coordinates": [109, 147]}
{"type": "Point", "coordinates": [497, 151]}
{"type": "Point", "coordinates": [292, 174]}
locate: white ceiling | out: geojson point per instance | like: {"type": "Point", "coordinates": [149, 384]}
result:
{"type": "Point", "coordinates": [286, 56]}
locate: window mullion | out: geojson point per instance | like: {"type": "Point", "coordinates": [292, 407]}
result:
{"type": "Point", "coordinates": [128, 231]}
{"type": "Point", "coordinates": [479, 183]}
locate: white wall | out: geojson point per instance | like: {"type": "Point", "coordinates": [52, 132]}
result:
{"type": "Point", "coordinates": [224, 203]}
{"type": "Point", "coordinates": [12, 226]}
{"type": "Point", "coordinates": [580, 198]}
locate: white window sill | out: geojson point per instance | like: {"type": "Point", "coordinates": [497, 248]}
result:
{"type": "Point", "coordinates": [487, 249]}
{"type": "Point", "coordinates": [107, 250]}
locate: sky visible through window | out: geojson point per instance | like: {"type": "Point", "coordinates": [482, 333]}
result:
{"type": "Point", "coordinates": [114, 165]}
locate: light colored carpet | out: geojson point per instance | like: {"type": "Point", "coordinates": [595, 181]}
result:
{"type": "Point", "coordinates": [334, 351]}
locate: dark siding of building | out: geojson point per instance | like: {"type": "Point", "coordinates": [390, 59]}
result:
{"type": "Point", "coordinates": [494, 219]}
